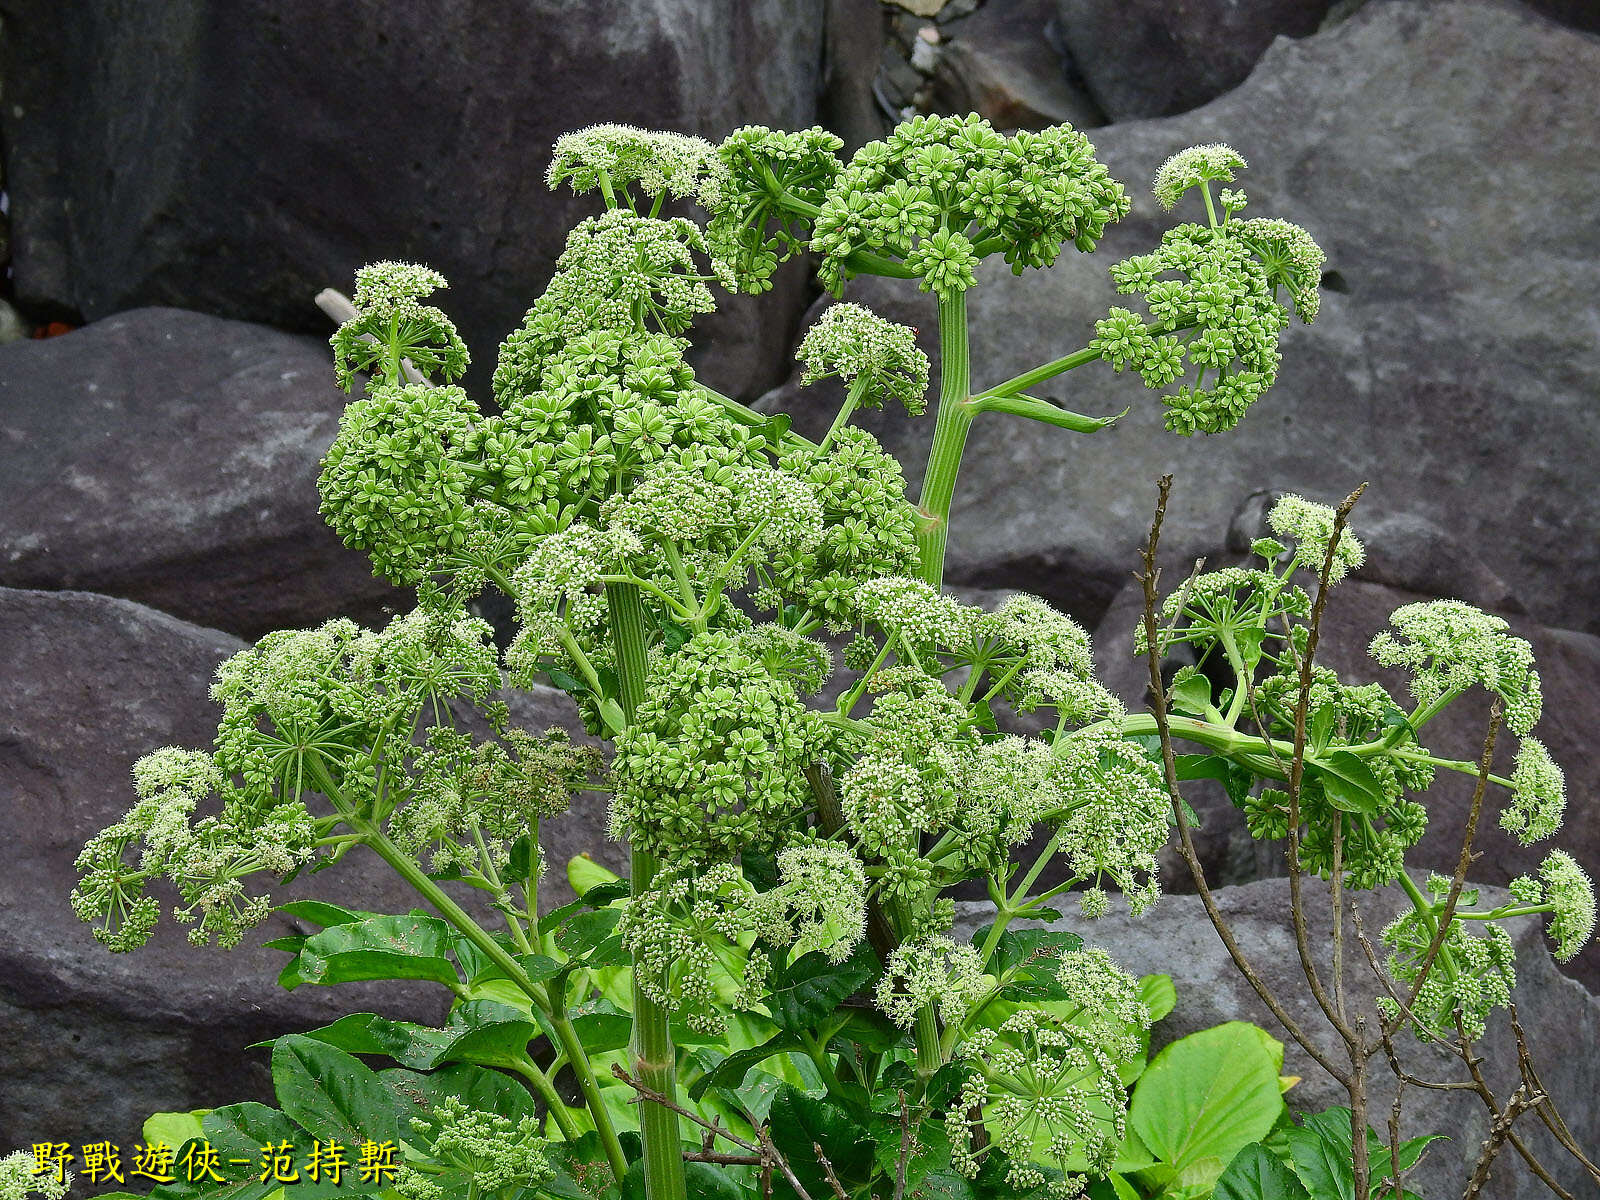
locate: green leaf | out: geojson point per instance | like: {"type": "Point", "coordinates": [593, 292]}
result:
{"type": "Point", "coordinates": [321, 912]}
{"type": "Point", "coordinates": [1350, 785]}
{"type": "Point", "coordinates": [173, 1128]}
{"type": "Point", "coordinates": [334, 1096]}
{"type": "Point", "coordinates": [1159, 994]}
{"type": "Point", "coordinates": [798, 1122]}
{"type": "Point", "coordinates": [1320, 1146]}
{"type": "Point", "coordinates": [590, 937]}
{"type": "Point", "coordinates": [1192, 694]}
{"type": "Point", "coordinates": [413, 1094]}
{"type": "Point", "coordinates": [387, 947]}
{"type": "Point", "coordinates": [730, 1072]}
{"type": "Point", "coordinates": [409, 1044]}
{"type": "Point", "coordinates": [1235, 779]}
{"type": "Point", "coordinates": [1257, 1174]}
{"type": "Point", "coordinates": [805, 991]}
{"type": "Point", "coordinates": [1208, 1095]}
{"type": "Point", "coordinates": [1026, 961]}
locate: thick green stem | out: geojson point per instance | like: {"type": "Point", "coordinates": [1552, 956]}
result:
{"type": "Point", "coordinates": [949, 436]}
{"type": "Point", "coordinates": [654, 1059]}
{"type": "Point", "coordinates": [501, 957]}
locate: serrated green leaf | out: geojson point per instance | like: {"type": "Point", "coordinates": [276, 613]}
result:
{"type": "Point", "coordinates": [333, 1096]}
{"type": "Point", "coordinates": [1349, 784]}
{"type": "Point", "coordinates": [730, 1072]}
{"type": "Point", "coordinates": [1257, 1174]}
{"type": "Point", "coordinates": [804, 992]}
{"type": "Point", "coordinates": [385, 947]}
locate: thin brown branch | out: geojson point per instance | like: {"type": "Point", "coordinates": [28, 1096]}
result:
{"type": "Point", "coordinates": [766, 1154]}
{"type": "Point", "coordinates": [1499, 1131]}
{"type": "Point", "coordinates": [1302, 707]}
{"type": "Point", "coordinates": [1546, 1110]}
{"type": "Point", "coordinates": [1463, 861]}
{"type": "Point", "coordinates": [908, 1140]}
{"type": "Point", "coordinates": [827, 1172]}
{"type": "Point", "coordinates": [1150, 578]}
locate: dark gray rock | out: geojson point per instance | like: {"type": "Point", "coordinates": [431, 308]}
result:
{"type": "Point", "coordinates": [1176, 938]}
{"type": "Point", "coordinates": [1449, 368]}
{"type": "Point", "coordinates": [1569, 667]}
{"type": "Point", "coordinates": [236, 158]}
{"type": "Point", "coordinates": [95, 1041]}
{"type": "Point", "coordinates": [1149, 58]}
{"type": "Point", "coordinates": [853, 43]}
{"type": "Point", "coordinates": [1003, 63]}
{"type": "Point", "coordinates": [171, 458]}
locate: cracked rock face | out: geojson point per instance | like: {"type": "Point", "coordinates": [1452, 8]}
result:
{"type": "Point", "coordinates": [292, 142]}
{"type": "Point", "coordinates": [171, 458]}
{"type": "Point", "coordinates": [1448, 368]}
{"type": "Point", "coordinates": [101, 1041]}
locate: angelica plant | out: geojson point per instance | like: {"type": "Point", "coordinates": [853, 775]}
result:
{"type": "Point", "coordinates": [676, 563]}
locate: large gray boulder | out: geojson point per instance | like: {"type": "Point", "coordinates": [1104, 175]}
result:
{"type": "Point", "coordinates": [171, 458]}
{"type": "Point", "coordinates": [1451, 367]}
{"type": "Point", "coordinates": [1150, 58]}
{"type": "Point", "coordinates": [96, 1041]}
{"type": "Point", "coordinates": [236, 158]}
{"type": "Point", "coordinates": [1177, 939]}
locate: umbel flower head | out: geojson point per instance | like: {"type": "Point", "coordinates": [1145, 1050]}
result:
{"type": "Point", "coordinates": [1310, 526]}
{"type": "Point", "coordinates": [1194, 167]}
{"type": "Point", "coordinates": [20, 1180]}
{"type": "Point", "coordinates": [1566, 888]}
{"type": "Point", "coordinates": [482, 1153]}
{"type": "Point", "coordinates": [853, 342]}
{"type": "Point", "coordinates": [1538, 794]}
{"type": "Point", "coordinates": [1449, 646]}
{"type": "Point", "coordinates": [393, 330]}
{"type": "Point", "coordinates": [1044, 1084]}
{"type": "Point", "coordinates": [612, 157]}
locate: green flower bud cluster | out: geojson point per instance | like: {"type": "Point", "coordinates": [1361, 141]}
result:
{"type": "Point", "coordinates": [1476, 976]}
{"type": "Point", "coordinates": [751, 231]}
{"type": "Point", "coordinates": [612, 158]}
{"type": "Point", "coordinates": [855, 343]}
{"type": "Point", "coordinates": [869, 527]}
{"type": "Point", "coordinates": [393, 335]}
{"type": "Point", "coordinates": [1449, 646]}
{"type": "Point", "coordinates": [691, 936]}
{"type": "Point", "coordinates": [713, 763]}
{"type": "Point", "coordinates": [1222, 316]}
{"type": "Point", "coordinates": [942, 192]}
{"type": "Point", "coordinates": [475, 1154]}
{"type": "Point", "coordinates": [1538, 794]}
{"type": "Point", "coordinates": [1044, 1084]}
{"type": "Point", "coordinates": [1566, 888]}
{"type": "Point", "coordinates": [932, 971]}
{"type": "Point", "coordinates": [395, 483]}
{"type": "Point", "coordinates": [18, 1181]}
{"type": "Point", "coordinates": [1048, 658]}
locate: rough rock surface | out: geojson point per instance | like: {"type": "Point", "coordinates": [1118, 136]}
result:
{"type": "Point", "coordinates": [171, 458]}
{"type": "Point", "coordinates": [1451, 366]}
{"type": "Point", "coordinates": [1003, 63]}
{"type": "Point", "coordinates": [1176, 938]}
{"type": "Point", "coordinates": [1150, 58]}
{"type": "Point", "coordinates": [96, 1042]}
{"type": "Point", "coordinates": [1569, 668]}
{"type": "Point", "coordinates": [292, 143]}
